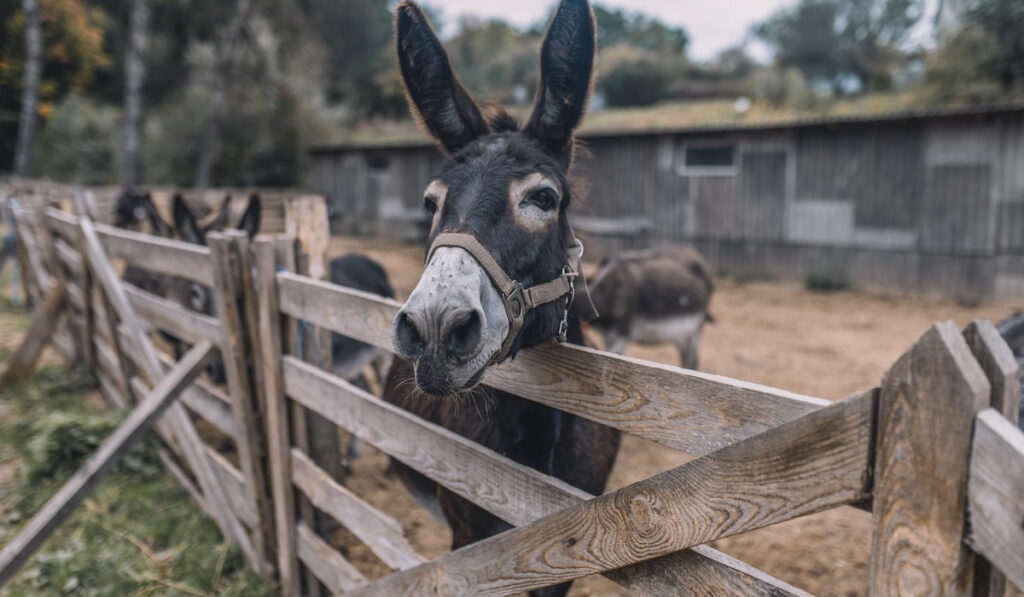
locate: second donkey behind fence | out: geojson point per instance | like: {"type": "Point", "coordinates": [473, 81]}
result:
{"type": "Point", "coordinates": [652, 297]}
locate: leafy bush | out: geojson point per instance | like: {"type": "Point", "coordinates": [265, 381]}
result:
{"type": "Point", "coordinates": [80, 142]}
{"type": "Point", "coordinates": [634, 77]}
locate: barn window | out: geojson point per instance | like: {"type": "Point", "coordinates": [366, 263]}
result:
{"type": "Point", "coordinates": [706, 159]}
{"type": "Point", "coordinates": [377, 164]}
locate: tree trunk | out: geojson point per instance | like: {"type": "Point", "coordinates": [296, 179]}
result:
{"type": "Point", "coordinates": [210, 145]}
{"type": "Point", "coordinates": [135, 74]}
{"type": "Point", "coordinates": [30, 93]}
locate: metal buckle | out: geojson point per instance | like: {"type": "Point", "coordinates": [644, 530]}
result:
{"type": "Point", "coordinates": [515, 303]}
{"type": "Point", "coordinates": [563, 326]}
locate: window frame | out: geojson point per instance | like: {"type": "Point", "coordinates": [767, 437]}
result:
{"type": "Point", "coordinates": [682, 169]}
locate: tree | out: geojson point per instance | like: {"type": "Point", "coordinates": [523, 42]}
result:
{"type": "Point", "coordinates": [1002, 22]}
{"type": "Point", "coordinates": [30, 95]}
{"type": "Point", "coordinates": [211, 137]}
{"type": "Point", "coordinates": [135, 74]}
{"type": "Point", "coordinates": [71, 55]}
{"type": "Point", "coordinates": [831, 40]}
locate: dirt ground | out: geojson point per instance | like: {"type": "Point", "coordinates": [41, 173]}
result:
{"type": "Point", "coordinates": [828, 345]}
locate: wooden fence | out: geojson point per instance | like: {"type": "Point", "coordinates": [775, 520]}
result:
{"type": "Point", "coordinates": [933, 452]}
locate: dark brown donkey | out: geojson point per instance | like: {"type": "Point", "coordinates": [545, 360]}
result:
{"type": "Point", "coordinates": [506, 189]}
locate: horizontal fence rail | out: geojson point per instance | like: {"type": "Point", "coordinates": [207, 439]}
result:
{"type": "Point", "coordinates": [933, 452]}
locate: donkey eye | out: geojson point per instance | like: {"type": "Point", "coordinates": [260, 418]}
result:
{"type": "Point", "coordinates": [545, 198]}
{"type": "Point", "coordinates": [430, 204]}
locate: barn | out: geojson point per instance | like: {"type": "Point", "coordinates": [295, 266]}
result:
{"type": "Point", "coordinates": [924, 202]}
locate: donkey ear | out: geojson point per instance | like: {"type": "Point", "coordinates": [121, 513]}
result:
{"type": "Point", "coordinates": [221, 221]}
{"type": "Point", "coordinates": [160, 226]}
{"type": "Point", "coordinates": [250, 222]}
{"type": "Point", "coordinates": [185, 222]}
{"type": "Point", "coordinates": [438, 99]}
{"type": "Point", "coordinates": [566, 73]}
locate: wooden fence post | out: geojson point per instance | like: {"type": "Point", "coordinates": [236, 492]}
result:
{"type": "Point", "coordinates": [228, 261]}
{"type": "Point", "coordinates": [1000, 367]}
{"type": "Point", "coordinates": [925, 416]}
{"type": "Point", "coordinates": [278, 441]}
{"type": "Point", "coordinates": [285, 249]}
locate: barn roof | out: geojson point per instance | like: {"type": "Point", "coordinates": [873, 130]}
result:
{"type": "Point", "coordinates": [409, 138]}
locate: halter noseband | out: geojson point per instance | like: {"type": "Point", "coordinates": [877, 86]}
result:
{"type": "Point", "coordinates": [519, 300]}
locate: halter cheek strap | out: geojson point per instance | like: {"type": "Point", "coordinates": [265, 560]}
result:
{"type": "Point", "coordinates": [519, 300]}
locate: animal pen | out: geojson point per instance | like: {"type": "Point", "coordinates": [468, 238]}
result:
{"type": "Point", "coordinates": [933, 452]}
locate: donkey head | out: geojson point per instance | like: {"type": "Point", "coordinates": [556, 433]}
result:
{"type": "Point", "coordinates": [507, 187]}
{"type": "Point", "coordinates": [195, 296]}
{"type": "Point", "coordinates": [134, 208]}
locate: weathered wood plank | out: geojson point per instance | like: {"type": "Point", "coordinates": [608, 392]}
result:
{"type": "Point", "coordinates": [171, 317]}
{"type": "Point", "coordinates": [926, 409]}
{"type": "Point", "coordinates": [328, 565]}
{"type": "Point", "coordinates": [816, 462]}
{"type": "Point", "coordinates": [278, 443]}
{"type": "Point", "coordinates": [1000, 366]}
{"type": "Point", "coordinates": [60, 506]}
{"type": "Point", "coordinates": [182, 478]}
{"type": "Point", "coordinates": [686, 410]}
{"type": "Point", "coordinates": [381, 533]}
{"type": "Point", "coordinates": [208, 402]}
{"type": "Point", "coordinates": [23, 362]}
{"type": "Point", "coordinates": [700, 570]}
{"type": "Point", "coordinates": [188, 440]}
{"type": "Point", "coordinates": [515, 493]}
{"type": "Point", "coordinates": [994, 490]}
{"type": "Point", "coordinates": [233, 482]}
{"type": "Point", "coordinates": [160, 255]}
{"type": "Point", "coordinates": [227, 262]}
{"type": "Point", "coordinates": [998, 363]}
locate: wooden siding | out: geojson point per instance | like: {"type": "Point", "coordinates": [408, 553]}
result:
{"type": "Point", "coordinates": [949, 188]}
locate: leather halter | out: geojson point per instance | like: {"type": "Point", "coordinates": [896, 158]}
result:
{"type": "Point", "coordinates": [519, 300]}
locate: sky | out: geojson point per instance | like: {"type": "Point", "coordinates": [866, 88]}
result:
{"type": "Point", "coordinates": [713, 25]}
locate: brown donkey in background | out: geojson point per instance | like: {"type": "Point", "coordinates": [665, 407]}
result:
{"type": "Point", "coordinates": [501, 267]}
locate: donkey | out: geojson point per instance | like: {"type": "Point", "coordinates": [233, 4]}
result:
{"type": "Point", "coordinates": [653, 297]}
{"type": "Point", "coordinates": [133, 210]}
{"type": "Point", "coordinates": [192, 295]}
{"type": "Point", "coordinates": [498, 218]}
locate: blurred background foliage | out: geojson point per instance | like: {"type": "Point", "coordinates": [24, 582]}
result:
{"type": "Point", "coordinates": [309, 71]}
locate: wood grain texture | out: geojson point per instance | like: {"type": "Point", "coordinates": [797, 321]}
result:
{"type": "Point", "coordinates": [994, 490]}
{"type": "Point", "coordinates": [328, 565]}
{"type": "Point", "coordinates": [68, 257]}
{"type": "Point", "coordinates": [381, 533]}
{"type": "Point", "coordinates": [171, 317]}
{"type": "Point", "coordinates": [998, 363]}
{"type": "Point", "coordinates": [276, 423]}
{"type": "Point", "coordinates": [1000, 366]}
{"type": "Point", "coordinates": [698, 572]}
{"type": "Point", "coordinates": [686, 410]}
{"type": "Point", "coordinates": [926, 411]}
{"type": "Point", "coordinates": [63, 503]}
{"type": "Point", "coordinates": [816, 462]}
{"type": "Point", "coordinates": [228, 261]}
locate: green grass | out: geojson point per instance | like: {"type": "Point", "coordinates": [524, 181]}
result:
{"type": "Point", "coordinates": [136, 534]}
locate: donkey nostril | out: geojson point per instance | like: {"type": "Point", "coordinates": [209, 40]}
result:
{"type": "Point", "coordinates": [408, 342]}
{"type": "Point", "coordinates": [464, 334]}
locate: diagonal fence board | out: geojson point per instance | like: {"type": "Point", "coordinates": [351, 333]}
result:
{"type": "Point", "coordinates": [182, 429]}
{"type": "Point", "coordinates": [60, 506]}
{"type": "Point", "coordinates": [686, 410]}
{"type": "Point", "coordinates": [994, 494]}
{"type": "Point", "coordinates": [166, 315]}
{"type": "Point", "coordinates": [381, 533]}
{"type": "Point", "coordinates": [509, 490]}
{"type": "Point", "coordinates": [817, 462]}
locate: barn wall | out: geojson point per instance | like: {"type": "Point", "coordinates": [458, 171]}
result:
{"type": "Point", "coordinates": [924, 205]}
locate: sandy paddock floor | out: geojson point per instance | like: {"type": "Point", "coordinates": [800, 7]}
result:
{"type": "Point", "coordinates": [777, 334]}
